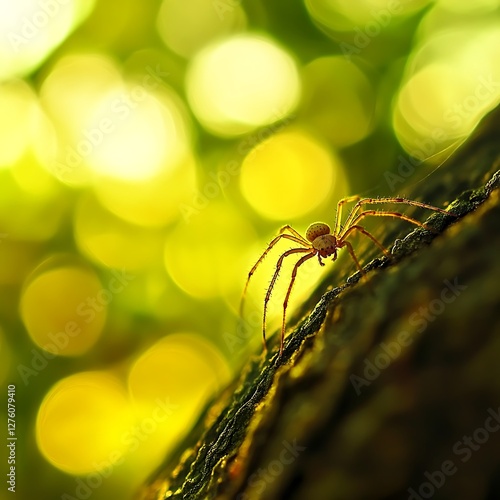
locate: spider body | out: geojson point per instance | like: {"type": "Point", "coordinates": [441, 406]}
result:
{"type": "Point", "coordinates": [323, 242]}
{"type": "Point", "coordinates": [317, 229]}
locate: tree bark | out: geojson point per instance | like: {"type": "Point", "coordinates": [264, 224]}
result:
{"type": "Point", "coordinates": [389, 387]}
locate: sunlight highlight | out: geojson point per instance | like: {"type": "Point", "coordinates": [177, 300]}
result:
{"type": "Point", "coordinates": [32, 29]}
{"type": "Point", "coordinates": [130, 131]}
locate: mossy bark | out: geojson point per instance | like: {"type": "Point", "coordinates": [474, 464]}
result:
{"type": "Point", "coordinates": [389, 388]}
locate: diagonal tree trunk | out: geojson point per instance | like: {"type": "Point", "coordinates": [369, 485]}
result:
{"type": "Point", "coordinates": [389, 388]}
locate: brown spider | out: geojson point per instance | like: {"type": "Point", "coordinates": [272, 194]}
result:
{"type": "Point", "coordinates": [322, 242]}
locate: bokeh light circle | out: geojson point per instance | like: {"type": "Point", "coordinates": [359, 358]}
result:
{"type": "Point", "coordinates": [185, 33]}
{"type": "Point", "coordinates": [478, 7]}
{"type": "Point", "coordinates": [130, 135]}
{"type": "Point", "coordinates": [31, 193]}
{"type": "Point", "coordinates": [450, 84]}
{"type": "Point", "coordinates": [17, 120]}
{"type": "Point", "coordinates": [241, 83]}
{"type": "Point", "coordinates": [204, 255]}
{"type": "Point", "coordinates": [288, 175]}
{"type": "Point", "coordinates": [31, 30]}
{"type": "Point", "coordinates": [184, 368]}
{"type": "Point", "coordinates": [169, 383]}
{"type": "Point", "coordinates": [70, 94]}
{"type": "Point", "coordinates": [339, 15]}
{"type": "Point", "coordinates": [83, 423]}
{"type": "Point", "coordinates": [103, 236]}
{"type": "Point", "coordinates": [339, 102]}
{"type": "Point", "coordinates": [64, 309]}
{"type": "Point", "coordinates": [108, 126]}
{"type": "Point", "coordinates": [150, 202]}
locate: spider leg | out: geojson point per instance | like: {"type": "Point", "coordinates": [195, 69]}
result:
{"type": "Point", "coordinates": [294, 233]}
{"type": "Point", "coordinates": [338, 213]}
{"type": "Point", "coordinates": [289, 291]}
{"type": "Point", "coordinates": [404, 201]}
{"type": "Point", "coordinates": [273, 242]}
{"type": "Point", "coordinates": [362, 230]}
{"type": "Point", "coordinates": [379, 213]}
{"type": "Point", "coordinates": [271, 286]}
{"type": "Point", "coordinates": [353, 256]}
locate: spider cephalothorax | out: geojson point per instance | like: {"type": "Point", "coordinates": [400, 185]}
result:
{"type": "Point", "coordinates": [325, 243]}
{"type": "Point", "coordinates": [322, 242]}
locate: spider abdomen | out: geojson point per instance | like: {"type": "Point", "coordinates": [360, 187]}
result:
{"type": "Point", "coordinates": [317, 229]}
{"type": "Point", "coordinates": [326, 245]}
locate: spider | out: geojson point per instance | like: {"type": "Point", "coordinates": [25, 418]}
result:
{"type": "Point", "coordinates": [322, 242]}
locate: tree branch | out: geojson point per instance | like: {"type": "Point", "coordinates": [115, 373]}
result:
{"type": "Point", "coordinates": [379, 386]}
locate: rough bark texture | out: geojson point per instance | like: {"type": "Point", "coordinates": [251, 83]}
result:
{"type": "Point", "coordinates": [389, 388]}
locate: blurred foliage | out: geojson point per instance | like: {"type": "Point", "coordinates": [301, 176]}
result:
{"type": "Point", "coordinates": [146, 156]}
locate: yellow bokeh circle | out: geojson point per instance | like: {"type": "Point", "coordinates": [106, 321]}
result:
{"type": "Point", "coordinates": [111, 241]}
{"type": "Point", "coordinates": [339, 101]}
{"type": "Point", "coordinates": [31, 30]}
{"type": "Point", "coordinates": [64, 309]}
{"type": "Point", "coordinates": [204, 254]}
{"type": "Point", "coordinates": [70, 94]}
{"type": "Point", "coordinates": [150, 202]}
{"type": "Point", "coordinates": [182, 368]}
{"type": "Point", "coordinates": [168, 384]}
{"type": "Point", "coordinates": [84, 422]}
{"type": "Point", "coordinates": [449, 85]}
{"type": "Point", "coordinates": [17, 120]}
{"type": "Point", "coordinates": [242, 83]}
{"type": "Point", "coordinates": [109, 126]}
{"type": "Point", "coordinates": [288, 175]}
{"type": "Point", "coordinates": [185, 33]}
{"type": "Point", "coordinates": [363, 15]}
{"type": "Point", "coordinates": [129, 134]}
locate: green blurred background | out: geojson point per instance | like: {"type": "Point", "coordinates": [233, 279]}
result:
{"type": "Point", "coordinates": [149, 150]}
